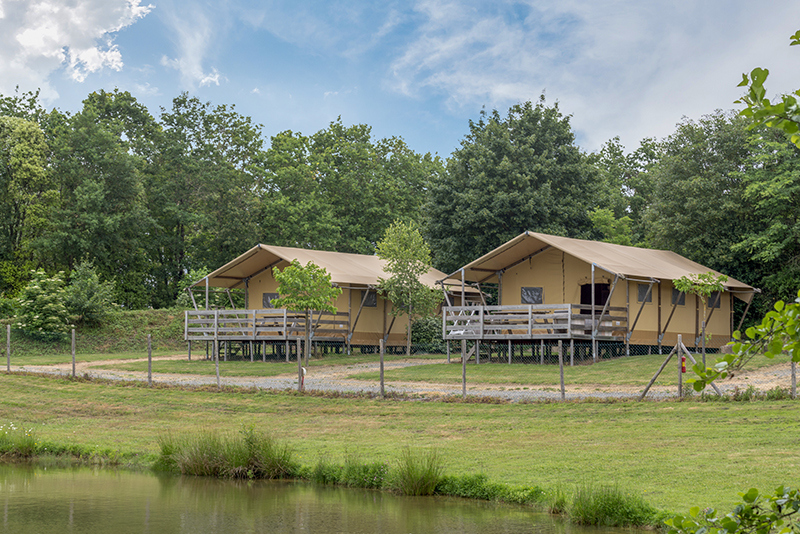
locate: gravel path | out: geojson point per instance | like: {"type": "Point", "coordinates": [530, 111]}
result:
{"type": "Point", "coordinates": [333, 379]}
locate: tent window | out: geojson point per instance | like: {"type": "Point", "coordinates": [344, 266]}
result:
{"type": "Point", "coordinates": [642, 292]}
{"type": "Point", "coordinates": [532, 295]}
{"type": "Point", "coordinates": [372, 298]}
{"type": "Point", "coordinates": [678, 297]}
{"type": "Point", "coordinates": [714, 299]}
{"type": "Point", "coordinates": [267, 298]}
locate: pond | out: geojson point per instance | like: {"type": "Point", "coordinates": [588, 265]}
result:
{"type": "Point", "coordinates": [81, 500]}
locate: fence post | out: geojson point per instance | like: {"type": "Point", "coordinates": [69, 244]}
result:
{"type": "Point", "coordinates": [190, 350]}
{"type": "Point", "coordinates": [149, 359]}
{"type": "Point", "coordinates": [299, 367]}
{"type": "Point", "coordinates": [73, 353]}
{"type": "Point", "coordinates": [383, 349]}
{"type": "Point", "coordinates": [561, 366]}
{"type": "Point", "coordinates": [794, 380]}
{"type": "Point", "coordinates": [464, 368]}
{"type": "Point", "coordinates": [680, 369]}
{"type": "Point", "coordinates": [8, 348]}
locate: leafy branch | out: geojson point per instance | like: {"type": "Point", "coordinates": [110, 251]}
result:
{"type": "Point", "coordinates": [784, 115]}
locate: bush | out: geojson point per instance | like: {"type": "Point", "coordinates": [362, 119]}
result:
{"type": "Point", "coordinates": [87, 297]}
{"type": "Point", "coordinates": [609, 506]}
{"type": "Point", "coordinates": [418, 473]}
{"type": "Point", "coordinates": [470, 487]}
{"type": "Point", "coordinates": [427, 330]}
{"type": "Point", "coordinates": [41, 312]}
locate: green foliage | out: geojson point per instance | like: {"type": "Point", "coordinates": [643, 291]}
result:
{"type": "Point", "coordinates": [339, 189]}
{"type": "Point", "coordinates": [41, 312]}
{"type": "Point", "coordinates": [249, 454]}
{"type": "Point", "coordinates": [777, 334]}
{"type": "Point", "coordinates": [418, 472]}
{"type": "Point", "coordinates": [26, 188]}
{"type": "Point", "coordinates": [784, 116]}
{"type": "Point", "coordinates": [305, 288]}
{"type": "Point", "coordinates": [613, 230]}
{"type": "Point", "coordinates": [357, 474]}
{"type": "Point", "coordinates": [756, 513]}
{"type": "Point", "coordinates": [16, 442]}
{"type": "Point", "coordinates": [407, 258]}
{"type": "Point", "coordinates": [604, 505]}
{"type": "Point", "coordinates": [511, 174]}
{"type": "Point", "coordinates": [427, 330]}
{"type": "Point", "coordinates": [703, 285]}
{"type": "Point", "coordinates": [476, 486]}
{"type": "Point", "coordinates": [88, 297]}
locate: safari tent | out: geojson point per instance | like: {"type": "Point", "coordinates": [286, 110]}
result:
{"type": "Point", "coordinates": [552, 287]}
{"type": "Point", "coordinates": [362, 316]}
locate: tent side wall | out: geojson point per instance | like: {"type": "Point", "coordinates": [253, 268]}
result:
{"type": "Point", "coordinates": [372, 322]}
{"type": "Point", "coordinates": [560, 277]}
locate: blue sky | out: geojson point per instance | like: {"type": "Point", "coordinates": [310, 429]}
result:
{"type": "Point", "coordinates": [419, 69]}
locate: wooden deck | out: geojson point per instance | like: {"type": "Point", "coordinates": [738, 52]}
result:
{"type": "Point", "coordinates": [533, 321]}
{"type": "Point", "coordinates": [262, 325]}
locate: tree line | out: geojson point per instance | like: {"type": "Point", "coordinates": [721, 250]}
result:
{"type": "Point", "coordinates": [152, 202]}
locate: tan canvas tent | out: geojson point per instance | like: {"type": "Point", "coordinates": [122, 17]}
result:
{"type": "Point", "coordinates": [363, 316]}
{"type": "Point", "coordinates": [631, 289]}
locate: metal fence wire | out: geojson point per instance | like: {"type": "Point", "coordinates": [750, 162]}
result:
{"type": "Point", "coordinates": [521, 371]}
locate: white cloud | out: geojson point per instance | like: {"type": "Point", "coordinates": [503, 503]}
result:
{"type": "Point", "coordinates": [39, 37]}
{"type": "Point", "coordinates": [194, 31]}
{"type": "Point", "coordinates": [620, 67]}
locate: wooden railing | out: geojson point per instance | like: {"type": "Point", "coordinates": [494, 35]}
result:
{"type": "Point", "coordinates": [261, 325]}
{"type": "Point", "coordinates": [533, 321]}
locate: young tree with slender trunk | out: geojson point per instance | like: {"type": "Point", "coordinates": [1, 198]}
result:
{"type": "Point", "coordinates": [305, 288]}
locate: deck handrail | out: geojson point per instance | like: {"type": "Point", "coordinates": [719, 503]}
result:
{"type": "Point", "coordinates": [531, 321]}
{"type": "Point", "coordinates": [269, 324]}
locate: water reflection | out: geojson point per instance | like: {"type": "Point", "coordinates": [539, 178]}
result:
{"type": "Point", "coordinates": [99, 501]}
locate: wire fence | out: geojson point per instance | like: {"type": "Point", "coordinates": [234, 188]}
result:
{"type": "Point", "coordinates": [521, 371]}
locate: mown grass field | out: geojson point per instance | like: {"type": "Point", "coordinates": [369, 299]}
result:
{"type": "Point", "coordinates": [675, 454]}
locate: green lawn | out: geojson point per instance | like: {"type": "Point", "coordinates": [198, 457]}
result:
{"type": "Point", "coordinates": [675, 454]}
{"type": "Point", "coordinates": [627, 371]}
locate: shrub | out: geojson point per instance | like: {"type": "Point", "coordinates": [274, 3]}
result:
{"type": "Point", "coordinates": [606, 505]}
{"type": "Point", "coordinates": [87, 297]}
{"type": "Point", "coordinates": [418, 472]}
{"type": "Point", "coordinates": [41, 312]}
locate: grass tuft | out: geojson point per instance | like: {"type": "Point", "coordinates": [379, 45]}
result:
{"type": "Point", "coordinates": [249, 455]}
{"type": "Point", "coordinates": [418, 472]}
{"type": "Point", "coordinates": [606, 505]}
{"type": "Point", "coordinates": [16, 442]}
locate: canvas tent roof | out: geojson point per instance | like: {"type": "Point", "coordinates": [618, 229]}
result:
{"type": "Point", "coordinates": [628, 262]}
{"type": "Point", "coordinates": [345, 269]}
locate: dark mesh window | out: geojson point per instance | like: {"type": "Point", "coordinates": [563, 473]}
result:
{"type": "Point", "coordinates": [714, 299]}
{"type": "Point", "coordinates": [642, 292]}
{"type": "Point", "coordinates": [267, 298]}
{"type": "Point", "coordinates": [678, 297]}
{"type": "Point", "coordinates": [372, 298]}
{"type": "Point", "coordinates": [532, 295]}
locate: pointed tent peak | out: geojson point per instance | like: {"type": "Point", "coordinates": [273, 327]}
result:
{"type": "Point", "coordinates": [626, 261]}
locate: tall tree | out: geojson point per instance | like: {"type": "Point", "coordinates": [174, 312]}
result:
{"type": "Point", "coordinates": [339, 189]}
{"type": "Point", "coordinates": [100, 212]}
{"type": "Point", "coordinates": [697, 202]}
{"type": "Point", "coordinates": [511, 174]}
